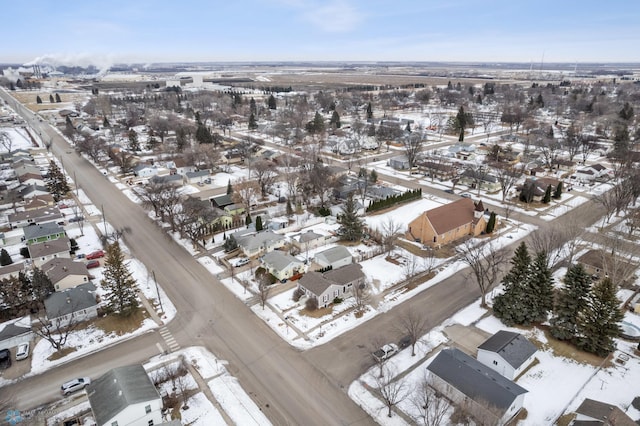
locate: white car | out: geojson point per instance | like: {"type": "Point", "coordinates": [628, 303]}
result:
{"type": "Point", "coordinates": [74, 385]}
{"type": "Point", "coordinates": [241, 262]}
{"type": "Point", "coordinates": [22, 352]}
{"type": "Point", "coordinates": [387, 351]}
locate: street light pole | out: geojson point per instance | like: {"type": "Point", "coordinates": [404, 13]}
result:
{"type": "Point", "coordinates": [157, 290]}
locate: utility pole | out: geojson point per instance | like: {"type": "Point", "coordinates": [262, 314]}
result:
{"type": "Point", "coordinates": [157, 290]}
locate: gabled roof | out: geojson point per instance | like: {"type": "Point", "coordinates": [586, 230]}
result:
{"type": "Point", "coordinates": [256, 241]}
{"type": "Point", "coordinates": [61, 267]}
{"type": "Point", "coordinates": [47, 248]}
{"type": "Point", "coordinates": [604, 412]}
{"type": "Point", "coordinates": [345, 274]}
{"type": "Point", "coordinates": [452, 215]}
{"type": "Point", "coordinates": [71, 300]}
{"type": "Point", "coordinates": [15, 327]}
{"type": "Point", "coordinates": [119, 388]}
{"type": "Point", "coordinates": [334, 254]}
{"type": "Point", "coordinates": [48, 212]}
{"type": "Point", "coordinates": [279, 260]}
{"type": "Point", "coordinates": [474, 379]}
{"type": "Point", "coordinates": [33, 188]}
{"type": "Point", "coordinates": [512, 347]}
{"type": "Point", "coordinates": [12, 269]}
{"type": "Point", "coordinates": [309, 236]}
{"type": "Point", "coordinates": [315, 282]}
{"type": "Point", "coordinates": [199, 173]}
{"type": "Point", "coordinates": [222, 200]}
{"type": "Point", "coordinates": [598, 167]}
{"type": "Point", "coordinates": [42, 230]}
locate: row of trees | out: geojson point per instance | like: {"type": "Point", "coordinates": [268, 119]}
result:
{"type": "Point", "coordinates": [392, 200]}
{"type": "Point", "coordinates": [584, 313]}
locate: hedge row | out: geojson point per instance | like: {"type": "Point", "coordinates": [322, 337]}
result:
{"type": "Point", "coordinates": [410, 195]}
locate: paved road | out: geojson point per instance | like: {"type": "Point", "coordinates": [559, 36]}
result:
{"type": "Point", "coordinates": [288, 388]}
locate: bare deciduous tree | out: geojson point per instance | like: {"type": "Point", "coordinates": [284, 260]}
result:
{"type": "Point", "coordinates": [361, 296]}
{"type": "Point", "coordinates": [484, 262]}
{"type": "Point", "coordinates": [5, 141]}
{"type": "Point", "coordinates": [431, 406]}
{"type": "Point", "coordinates": [264, 288]}
{"type": "Point", "coordinates": [265, 173]}
{"type": "Point", "coordinates": [57, 330]}
{"type": "Point", "coordinates": [245, 192]}
{"type": "Point", "coordinates": [392, 389]}
{"type": "Point", "coordinates": [391, 230]}
{"type": "Point", "coordinates": [413, 324]}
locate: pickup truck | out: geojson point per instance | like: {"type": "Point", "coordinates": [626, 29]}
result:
{"type": "Point", "coordinates": [385, 352]}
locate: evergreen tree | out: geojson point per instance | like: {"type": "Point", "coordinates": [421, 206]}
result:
{"type": "Point", "coordinates": [118, 283]}
{"type": "Point", "coordinates": [51, 98]}
{"type": "Point", "coordinates": [335, 120]}
{"type": "Point", "coordinates": [369, 111]}
{"type": "Point", "coordinates": [491, 224]}
{"type": "Point", "coordinates": [408, 127]}
{"type": "Point", "coordinates": [56, 181]}
{"type": "Point", "coordinates": [373, 176]}
{"type": "Point", "coordinates": [253, 125]}
{"type": "Point", "coordinates": [105, 122]}
{"type": "Point", "coordinates": [230, 244]}
{"type": "Point", "coordinates": [203, 134]}
{"type": "Point", "coordinates": [272, 102]}
{"type": "Point", "coordinates": [570, 301]}
{"type": "Point", "coordinates": [252, 106]}
{"type": "Point", "coordinates": [229, 187]}
{"type": "Point", "coordinates": [259, 224]}
{"type": "Point", "coordinates": [41, 286]}
{"type": "Point", "coordinates": [547, 195]}
{"type": "Point", "coordinates": [351, 224]}
{"type": "Point", "coordinates": [247, 220]}
{"type": "Point", "coordinates": [598, 321]}
{"type": "Point", "coordinates": [540, 291]}
{"type": "Point", "coordinates": [512, 306]}
{"type": "Point", "coordinates": [5, 258]}
{"type": "Point", "coordinates": [58, 98]}
{"type": "Point", "coordinates": [134, 145]}
{"type": "Point", "coordinates": [38, 99]}
{"type": "Point", "coordinates": [557, 194]}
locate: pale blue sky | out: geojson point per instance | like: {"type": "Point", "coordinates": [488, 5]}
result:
{"type": "Point", "coordinates": [84, 31]}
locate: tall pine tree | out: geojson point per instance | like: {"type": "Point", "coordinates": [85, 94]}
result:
{"type": "Point", "coordinates": [512, 305]}
{"type": "Point", "coordinates": [56, 181]}
{"type": "Point", "coordinates": [118, 283]}
{"type": "Point", "coordinates": [351, 224]}
{"type": "Point", "coordinates": [540, 291]}
{"type": "Point", "coordinates": [598, 321]}
{"type": "Point", "coordinates": [570, 301]}
{"type": "Point", "coordinates": [5, 258]}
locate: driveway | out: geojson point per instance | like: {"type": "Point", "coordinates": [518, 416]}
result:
{"type": "Point", "coordinates": [466, 338]}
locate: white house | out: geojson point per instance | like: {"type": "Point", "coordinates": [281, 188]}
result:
{"type": "Point", "coordinates": [325, 287]}
{"type": "Point", "coordinates": [75, 304]}
{"type": "Point", "coordinates": [282, 265]}
{"type": "Point", "coordinates": [196, 177]}
{"type": "Point", "coordinates": [507, 353]}
{"type": "Point", "coordinates": [65, 273]}
{"type": "Point", "coordinates": [145, 170]}
{"type": "Point", "coordinates": [259, 243]}
{"type": "Point", "coordinates": [43, 252]}
{"type": "Point", "coordinates": [335, 257]}
{"type": "Point", "coordinates": [480, 390]}
{"type": "Point", "coordinates": [15, 332]}
{"type": "Point", "coordinates": [125, 396]}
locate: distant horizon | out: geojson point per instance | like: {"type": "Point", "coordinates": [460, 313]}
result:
{"type": "Point", "coordinates": [355, 31]}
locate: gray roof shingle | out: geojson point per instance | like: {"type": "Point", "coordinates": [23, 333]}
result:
{"type": "Point", "coordinates": [334, 254]}
{"type": "Point", "coordinates": [512, 347]}
{"type": "Point", "coordinates": [119, 388]}
{"type": "Point", "coordinates": [474, 379]}
{"type": "Point", "coordinates": [71, 300]}
{"type": "Point", "coordinates": [279, 260]}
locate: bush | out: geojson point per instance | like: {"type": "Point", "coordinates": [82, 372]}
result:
{"type": "Point", "coordinates": [337, 301]}
{"type": "Point", "coordinates": [272, 278]}
{"type": "Point", "coordinates": [392, 200]}
{"type": "Point", "coordinates": [311, 304]}
{"type": "Point", "coordinates": [297, 294]}
{"type": "Point", "coordinates": [24, 252]}
{"type": "Point", "coordinates": [260, 272]}
{"type": "Point", "coordinates": [324, 211]}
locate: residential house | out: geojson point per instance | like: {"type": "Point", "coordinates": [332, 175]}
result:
{"type": "Point", "coordinates": [221, 201]}
{"type": "Point", "coordinates": [144, 170]}
{"type": "Point", "coordinates": [40, 253]}
{"type": "Point", "coordinates": [481, 391]}
{"type": "Point", "coordinates": [400, 162]}
{"type": "Point", "coordinates": [37, 216]}
{"type": "Point", "coordinates": [593, 413]}
{"type": "Point", "coordinates": [448, 223]}
{"type": "Point", "coordinates": [437, 169]}
{"type": "Point", "coordinates": [42, 232]}
{"type": "Point", "coordinates": [30, 179]}
{"type": "Point", "coordinates": [474, 178]}
{"type": "Point", "coordinates": [33, 191]}
{"type": "Point", "coordinates": [327, 286]}
{"type": "Point", "coordinates": [255, 244]}
{"type": "Point", "coordinates": [75, 305]}
{"type": "Point", "coordinates": [334, 257]}
{"type": "Point", "coordinates": [282, 265]}
{"type": "Point", "coordinates": [233, 215]}
{"type": "Point", "coordinates": [179, 166]}
{"type": "Point", "coordinates": [196, 177]}
{"type": "Point", "coordinates": [22, 168]}
{"type": "Point", "coordinates": [15, 332]}
{"type": "Point", "coordinates": [39, 201]}
{"type": "Point", "coordinates": [536, 187]}
{"type": "Point", "coordinates": [125, 396]}
{"type": "Point", "coordinates": [65, 273]}
{"type": "Point", "coordinates": [351, 185]}
{"type": "Point", "coordinates": [592, 172]}
{"type": "Point", "coordinates": [308, 240]}
{"type": "Point", "coordinates": [562, 164]}
{"type": "Point", "coordinates": [11, 271]}
{"type": "Point", "coordinates": [507, 352]}
{"type": "Point", "coordinates": [461, 147]}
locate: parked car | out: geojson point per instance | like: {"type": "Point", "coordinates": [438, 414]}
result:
{"type": "Point", "coordinates": [22, 352]}
{"type": "Point", "coordinates": [387, 351]}
{"type": "Point", "coordinates": [5, 359]}
{"type": "Point", "coordinates": [95, 255]}
{"type": "Point", "coordinates": [76, 219]}
{"type": "Point", "coordinates": [449, 191]}
{"type": "Point", "coordinates": [74, 385]}
{"type": "Point", "coordinates": [241, 262]}
{"type": "Point", "coordinates": [93, 264]}
{"type": "Point", "coordinates": [465, 195]}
